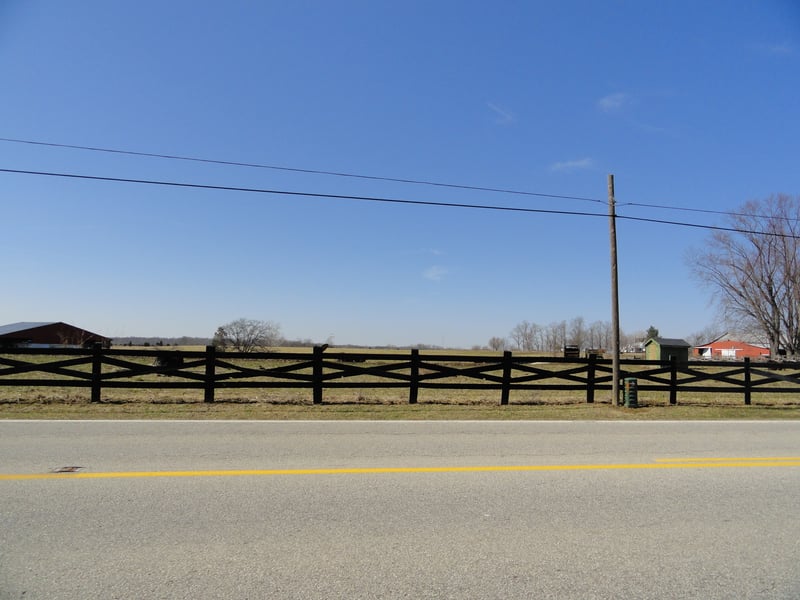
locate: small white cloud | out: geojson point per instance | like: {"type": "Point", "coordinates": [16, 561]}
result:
{"type": "Point", "coordinates": [613, 102]}
{"type": "Point", "coordinates": [572, 165]}
{"type": "Point", "coordinates": [434, 273]}
{"type": "Point", "coordinates": [504, 116]}
{"type": "Point", "coordinates": [773, 49]}
{"type": "Point", "coordinates": [653, 129]}
{"type": "Point", "coordinates": [422, 252]}
{"type": "Point", "coordinates": [783, 49]}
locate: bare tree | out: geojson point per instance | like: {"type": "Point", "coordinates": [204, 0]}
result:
{"type": "Point", "coordinates": [497, 343]}
{"type": "Point", "coordinates": [248, 335]}
{"type": "Point", "coordinates": [555, 336]}
{"type": "Point", "coordinates": [524, 335]}
{"type": "Point", "coordinates": [577, 332]}
{"type": "Point", "coordinates": [754, 272]}
{"type": "Point", "coordinates": [706, 335]}
{"type": "Point", "coordinates": [632, 341]}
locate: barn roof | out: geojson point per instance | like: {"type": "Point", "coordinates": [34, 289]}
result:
{"type": "Point", "coordinates": [23, 326]}
{"type": "Point", "coordinates": [13, 330]}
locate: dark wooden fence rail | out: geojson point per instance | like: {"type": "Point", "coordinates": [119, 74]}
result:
{"type": "Point", "coordinates": [323, 369]}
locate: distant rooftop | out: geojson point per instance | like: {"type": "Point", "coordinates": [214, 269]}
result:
{"type": "Point", "coordinates": [676, 342]}
{"type": "Point", "coordinates": [23, 326]}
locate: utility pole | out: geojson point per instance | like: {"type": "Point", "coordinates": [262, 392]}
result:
{"type": "Point", "coordinates": [612, 225]}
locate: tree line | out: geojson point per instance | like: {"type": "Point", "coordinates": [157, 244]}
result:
{"type": "Point", "coordinates": [528, 336]}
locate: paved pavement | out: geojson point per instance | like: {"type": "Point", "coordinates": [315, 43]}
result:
{"type": "Point", "coordinates": [399, 510]}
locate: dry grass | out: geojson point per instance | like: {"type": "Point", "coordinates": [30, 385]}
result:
{"type": "Point", "coordinates": [272, 411]}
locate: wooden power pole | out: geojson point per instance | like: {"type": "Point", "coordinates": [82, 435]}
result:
{"type": "Point", "coordinates": [612, 224]}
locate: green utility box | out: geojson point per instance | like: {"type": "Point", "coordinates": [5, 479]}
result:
{"type": "Point", "coordinates": [631, 392]}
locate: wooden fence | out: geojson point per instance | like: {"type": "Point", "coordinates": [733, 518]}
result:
{"type": "Point", "coordinates": [323, 369]}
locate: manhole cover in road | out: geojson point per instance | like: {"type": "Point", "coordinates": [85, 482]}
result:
{"type": "Point", "coordinates": [66, 470]}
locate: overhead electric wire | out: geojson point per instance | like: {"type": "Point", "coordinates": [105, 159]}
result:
{"type": "Point", "coordinates": [369, 177]}
{"type": "Point", "coordinates": [300, 170]}
{"type": "Point", "coordinates": [726, 213]}
{"type": "Point", "coordinates": [387, 200]}
{"type": "Point", "coordinates": [683, 208]}
{"type": "Point", "coordinates": [296, 193]}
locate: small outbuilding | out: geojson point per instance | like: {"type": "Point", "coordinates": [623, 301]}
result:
{"type": "Point", "coordinates": [665, 349]}
{"type": "Point", "coordinates": [50, 334]}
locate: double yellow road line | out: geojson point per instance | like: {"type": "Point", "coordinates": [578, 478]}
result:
{"type": "Point", "coordinates": [658, 463]}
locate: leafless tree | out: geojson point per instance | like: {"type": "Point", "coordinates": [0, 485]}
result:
{"type": "Point", "coordinates": [248, 335]}
{"type": "Point", "coordinates": [577, 332]}
{"type": "Point", "coordinates": [524, 335]}
{"type": "Point", "coordinates": [754, 272]}
{"type": "Point", "coordinates": [631, 340]}
{"type": "Point", "coordinates": [497, 343]}
{"type": "Point", "coordinates": [555, 336]}
{"type": "Point", "coordinates": [706, 335]}
{"type": "Point", "coordinates": [73, 338]}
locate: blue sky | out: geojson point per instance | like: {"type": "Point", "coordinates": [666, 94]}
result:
{"type": "Point", "coordinates": [689, 104]}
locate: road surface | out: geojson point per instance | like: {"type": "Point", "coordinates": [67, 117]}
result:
{"type": "Point", "coordinates": [399, 510]}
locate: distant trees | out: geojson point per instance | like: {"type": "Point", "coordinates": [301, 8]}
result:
{"type": "Point", "coordinates": [524, 335]}
{"type": "Point", "coordinates": [247, 335]}
{"type": "Point", "coordinates": [754, 271]}
{"type": "Point", "coordinates": [527, 336]}
{"type": "Point", "coordinates": [652, 332]}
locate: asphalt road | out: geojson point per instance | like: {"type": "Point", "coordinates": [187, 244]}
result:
{"type": "Point", "coordinates": [400, 510]}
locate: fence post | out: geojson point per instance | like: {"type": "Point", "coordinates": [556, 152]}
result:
{"type": "Point", "coordinates": [97, 370]}
{"type": "Point", "coordinates": [747, 381]}
{"type": "Point", "coordinates": [590, 371]}
{"type": "Point", "coordinates": [673, 380]}
{"type": "Point", "coordinates": [506, 385]}
{"type": "Point", "coordinates": [317, 373]}
{"type": "Point", "coordinates": [211, 364]}
{"type": "Point", "coordinates": [413, 390]}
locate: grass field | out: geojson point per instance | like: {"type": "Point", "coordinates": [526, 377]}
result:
{"type": "Point", "coordinates": [270, 411]}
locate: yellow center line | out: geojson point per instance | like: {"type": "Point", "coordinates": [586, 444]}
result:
{"type": "Point", "coordinates": [729, 458]}
{"type": "Point", "coordinates": [712, 463]}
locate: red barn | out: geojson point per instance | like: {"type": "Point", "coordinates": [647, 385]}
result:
{"type": "Point", "coordinates": [731, 350]}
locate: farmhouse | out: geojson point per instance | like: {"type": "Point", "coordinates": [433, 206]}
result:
{"type": "Point", "coordinates": [53, 334]}
{"type": "Point", "coordinates": [659, 348]}
{"type": "Point", "coordinates": [728, 348]}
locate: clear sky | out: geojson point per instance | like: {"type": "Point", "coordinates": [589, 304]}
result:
{"type": "Point", "coordinates": [689, 104]}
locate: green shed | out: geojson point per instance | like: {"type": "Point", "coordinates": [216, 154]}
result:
{"type": "Point", "coordinates": [664, 349]}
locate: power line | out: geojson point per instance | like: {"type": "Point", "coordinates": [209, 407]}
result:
{"type": "Point", "coordinates": [726, 213]}
{"type": "Point", "coordinates": [299, 170]}
{"type": "Point", "coordinates": [683, 208]}
{"type": "Point", "coordinates": [374, 177]}
{"type": "Point", "coordinates": [370, 177]}
{"type": "Point", "coordinates": [306, 194]}
{"type": "Point", "coordinates": [387, 200]}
